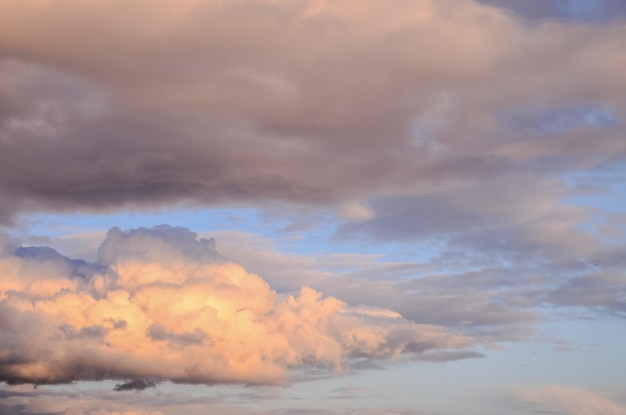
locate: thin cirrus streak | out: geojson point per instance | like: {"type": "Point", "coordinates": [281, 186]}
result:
{"type": "Point", "coordinates": [164, 305]}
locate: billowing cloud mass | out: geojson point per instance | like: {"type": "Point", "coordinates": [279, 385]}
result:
{"type": "Point", "coordinates": [161, 304]}
{"type": "Point", "coordinates": [113, 104]}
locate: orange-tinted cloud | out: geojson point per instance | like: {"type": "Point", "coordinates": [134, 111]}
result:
{"type": "Point", "coordinates": [163, 305]}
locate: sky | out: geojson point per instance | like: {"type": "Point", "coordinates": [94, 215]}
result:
{"type": "Point", "coordinates": [312, 207]}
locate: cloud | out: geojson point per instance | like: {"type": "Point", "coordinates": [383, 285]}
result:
{"type": "Point", "coordinates": [135, 384]}
{"type": "Point", "coordinates": [485, 304]}
{"type": "Point", "coordinates": [310, 103]}
{"type": "Point", "coordinates": [356, 212]}
{"type": "Point", "coordinates": [467, 150]}
{"type": "Point", "coordinates": [570, 400]}
{"type": "Point", "coordinates": [600, 291]}
{"type": "Point", "coordinates": [78, 400]}
{"type": "Point", "coordinates": [105, 412]}
{"type": "Point", "coordinates": [162, 304]}
{"type": "Point", "coordinates": [595, 11]}
{"type": "Point", "coordinates": [19, 400]}
{"type": "Point", "coordinates": [508, 235]}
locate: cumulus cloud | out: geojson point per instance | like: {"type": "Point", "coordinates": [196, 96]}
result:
{"type": "Point", "coordinates": [162, 304]}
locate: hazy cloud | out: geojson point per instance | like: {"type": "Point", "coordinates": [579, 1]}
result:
{"type": "Point", "coordinates": [571, 400]}
{"type": "Point", "coordinates": [19, 401]}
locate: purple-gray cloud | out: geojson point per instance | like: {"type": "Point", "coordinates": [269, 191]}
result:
{"type": "Point", "coordinates": [135, 384]}
{"type": "Point", "coordinates": [253, 101]}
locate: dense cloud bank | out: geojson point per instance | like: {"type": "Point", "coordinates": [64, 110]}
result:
{"type": "Point", "coordinates": [115, 104]}
{"type": "Point", "coordinates": [161, 304]}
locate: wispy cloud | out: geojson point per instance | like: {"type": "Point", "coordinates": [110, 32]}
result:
{"type": "Point", "coordinates": [569, 400]}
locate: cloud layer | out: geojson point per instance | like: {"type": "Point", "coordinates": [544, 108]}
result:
{"type": "Point", "coordinates": [161, 304]}
{"type": "Point", "coordinates": [310, 102]}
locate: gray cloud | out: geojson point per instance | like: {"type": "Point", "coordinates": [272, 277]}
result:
{"type": "Point", "coordinates": [491, 304]}
{"type": "Point", "coordinates": [451, 356]}
{"type": "Point", "coordinates": [86, 333]}
{"type": "Point", "coordinates": [602, 292]}
{"type": "Point", "coordinates": [88, 402]}
{"type": "Point", "coordinates": [491, 294]}
{"type": "Point", "coordinates": [517, 238]}
{"type": "Point", "coordinates": [135, 384]}
{"type": "Point", "coordinates": [244, 102]}
{"type": "Point", "coordinates": [157, 332]}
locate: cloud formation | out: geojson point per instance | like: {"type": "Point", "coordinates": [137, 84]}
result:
{"type": "Point", "coordinates": [164, 305]}
{"type": "Point", "coordinates": [245, 101]}
{"type": "Point", "coordinates": [135, 384]}
{"type": "Point", "coordinates": [571, 400]}
{"type": "Point", "coordinates": [46, 400]}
